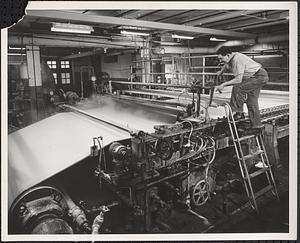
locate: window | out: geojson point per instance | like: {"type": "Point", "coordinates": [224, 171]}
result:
{"type": "Point", "coordinates": [65, 78]}
{"type": "Point", "coordinates": [64, 64]}
{"type": "Point", "coordinates": [61, 71]}
{"type": "Point", "coordinates": [51, 64]}
{"type": "Point", "coordinates": [55, 77]}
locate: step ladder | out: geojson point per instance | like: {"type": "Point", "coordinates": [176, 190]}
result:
{"type": "Point", "coordinates": [261, 152]}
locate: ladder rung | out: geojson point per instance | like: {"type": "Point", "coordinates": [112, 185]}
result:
{"type": "Point", "coordinates": [263, 191]}
{"type": "Point", "coordinates": [245, 138]}
{"type": "Point", "coordinates": [254, 154]}
{"type": "Point", "coordinates": [258, 172]}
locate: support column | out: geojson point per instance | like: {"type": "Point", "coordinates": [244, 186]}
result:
{"type": "Point", "coordinates": [35, 82]}
{"type": "Point", "coordinates": [145, 55]}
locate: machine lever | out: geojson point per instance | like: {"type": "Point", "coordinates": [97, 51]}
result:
{"type": "Point", "coordinates": [211, 95]}
{"type": "Point", "coordinates": [212, 90]}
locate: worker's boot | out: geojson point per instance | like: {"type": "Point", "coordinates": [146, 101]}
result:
{"type": "Point", "coordinates": [257, 129]}
{"type": "Point", "coordinates": [239, 116]}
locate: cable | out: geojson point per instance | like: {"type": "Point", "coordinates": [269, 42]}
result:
{"type": "Point", "coordinates": [192, 154]}
{"type": "Point", "coordinates": [99, 161]}
{"type": "Point", "coordinates": [202, 143]}
{"type": "Point", "coordinates": [212, 158]}
{"type": "Point", "coordinates": [189, 139]}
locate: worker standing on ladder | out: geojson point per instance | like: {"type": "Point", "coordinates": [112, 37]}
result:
{"type": "Point", "coordinates": [249, 78]}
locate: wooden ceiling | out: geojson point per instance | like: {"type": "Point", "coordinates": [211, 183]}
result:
{"type": "Point", "coordinates": [249, 21]}
{"type": "Point", "coordinates": [202, 24]}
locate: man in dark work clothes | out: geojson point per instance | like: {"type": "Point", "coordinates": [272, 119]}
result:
{"type": "Point", "coordinates": [249, 78]}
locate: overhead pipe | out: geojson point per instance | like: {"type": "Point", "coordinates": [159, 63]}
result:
{"type": "Point", "coordinates": [117, 53]}
{"type": "Point", "coordinates": [70, 41]}
{"type": "Point", "coordinates": [211, 50]}
{"type": "Point", "coordinates": [82, 54]}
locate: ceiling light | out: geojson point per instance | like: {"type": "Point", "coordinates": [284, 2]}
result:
{"type": "Point", "coordinates": [183, 37]}
{"type": "Point", "coordinates": [72, 28]}
{"type": "Point", "coordinates": [216, 39]}
{"type": "Point", "coordinates": [15, 48]}
{"type": "Point", "coordinates": [16, 54]}
{"type": "Point", "coordinates": [125, 32]}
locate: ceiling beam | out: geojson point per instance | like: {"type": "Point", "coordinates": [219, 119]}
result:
{"type": "Point", "coordinates": [148, 14]}
{"type": "Point", "coordinates": [125, 12]}
{"type": "Point", "coordinates": [195, 14]}
{"type": "Point", "coordinates": [69, 41]}
{"type": "Point", "coordinates": [133, 15]}
{"type": "Point", "coordinates": [270, 23]}
{"type": "Point", "coordinates": [245, 19]}
{"type": "Point", "coordinates": [76, 17]}
{"type": "Point", "coordinates": [175, 15]}
{"type": "Point", "coordinates": [220, 17]}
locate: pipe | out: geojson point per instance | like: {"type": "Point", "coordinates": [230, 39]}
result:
{"type": "Point", "coordinates": [245, 42]}
{"type": "Point", "coordinates": [205, 220]}
{"type": "Point", "coordinates": [111, 123]}
{"type": "Point", "coordinates": [77, 214]}
{"type": "Point", "coordinates": [97, 223]}
{"type": "Point", "coordinates": [274, 38]}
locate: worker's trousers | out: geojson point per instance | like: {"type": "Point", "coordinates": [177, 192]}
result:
{"type": "Point", "coordinates": [248, 91]}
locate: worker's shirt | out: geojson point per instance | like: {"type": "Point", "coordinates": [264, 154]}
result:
{"type": "Point", "coordinates": [241, 64]}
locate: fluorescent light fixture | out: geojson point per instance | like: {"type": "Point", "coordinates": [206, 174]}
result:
{"type": "Point", "coordinates": [16, 54]}
{"type": "Point", "coordinates": [125, 32]}
{"type": "Point", "coordinates": [72, 28]}
{"type": "Point", "coordinates": [216, 39]}
{"type": "Point", "coordinates": [183, 37]}
{"type": "Point", "coordinates": [15, 48]}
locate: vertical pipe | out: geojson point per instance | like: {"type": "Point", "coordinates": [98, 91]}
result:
{"type": "Point", "coordinates": [173, 70]}
{"type": "Point", "coordinates": [110, 86]}
{"type": "Point", "coordinates": [151, 62]}
{"type": "Point", "coordinates": [73, 74]}
{"type": "Point", "coordinates": [81, 82]}
{"type": "Point", "coordinates": [131, 76]}
{"type": "Point", "coordinates": [35, 84]}
{"type": "Point", "coordinates": [34, 74]}
{"type": "Point", "coordinates": [203, 73]}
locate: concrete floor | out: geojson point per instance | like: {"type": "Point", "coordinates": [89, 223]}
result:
{"type": "Point", "coordinates": [267, 222]}
{"type": "Point", "coordinates": [274, 215]}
